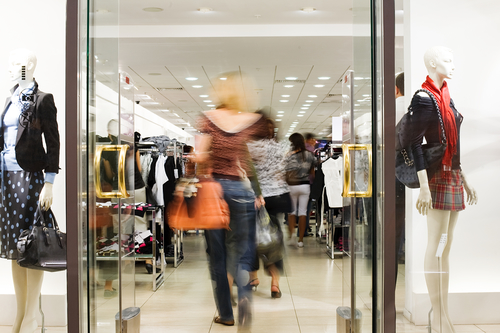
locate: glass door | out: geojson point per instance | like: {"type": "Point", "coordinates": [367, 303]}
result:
{"type": "Point", "coordinates": [110, 175]}
{"type": "Point", "coordinates": [361, 129]}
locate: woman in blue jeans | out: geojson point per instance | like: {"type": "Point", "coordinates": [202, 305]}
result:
{"type": "Point", "coordinates": [226, 131]}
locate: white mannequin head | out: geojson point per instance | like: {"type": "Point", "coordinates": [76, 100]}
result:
{"type": "Point", "coordinates": [22, 64]}
{"type": "Point", "coordinates": [439, 63]}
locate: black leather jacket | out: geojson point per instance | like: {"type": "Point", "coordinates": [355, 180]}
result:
{"type": "Point", "coordinates": [425, 123]}
{"type": "Point", "coordinates": [40, 118]}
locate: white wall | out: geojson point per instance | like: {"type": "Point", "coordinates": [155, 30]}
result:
{"type": "Point", "coordinates": [471, 29]}
{"type": "Point", "coordinates": [22, 25]}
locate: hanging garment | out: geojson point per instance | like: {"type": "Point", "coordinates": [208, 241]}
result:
{"type": "Point", "coordinates": [146, 160]}
{"type": "Point", "coordinates": [332, 168]}
{"type": "Point", "coordinates": [160, 178]}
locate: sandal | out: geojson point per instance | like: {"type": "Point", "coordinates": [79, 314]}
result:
{"type": "Point", "coordinates": [275, 294]}
{"type": "Point", "coordinates": [218, 320]}
{"type": "Point", "coordinates": [254, 284]}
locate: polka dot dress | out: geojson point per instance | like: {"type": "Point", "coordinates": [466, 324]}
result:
{"type": "Point", "coordinates": [18, 202]}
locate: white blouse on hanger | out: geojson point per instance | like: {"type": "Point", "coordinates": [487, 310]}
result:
{"type": "Point", "coordinates": [332, 169]}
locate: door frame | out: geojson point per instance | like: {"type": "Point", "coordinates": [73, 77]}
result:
{"type": "Point", "coordinates": [387, 193]}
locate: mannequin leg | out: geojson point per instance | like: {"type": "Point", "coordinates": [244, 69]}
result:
{"type": "Point", "coordinates": [27, 285]}
{"type": "Point", "coordinates": [445, 264]}
{"type": "Point", "coordinates": [20, 279]}
{"type": "Point", "coordinates": [437, 278]}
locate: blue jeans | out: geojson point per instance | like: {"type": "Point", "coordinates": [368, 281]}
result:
{"type": "Point", "coordinates": [227, 247]}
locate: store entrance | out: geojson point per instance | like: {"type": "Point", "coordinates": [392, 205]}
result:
{"type": "Point", "coordinates": [149, 71]}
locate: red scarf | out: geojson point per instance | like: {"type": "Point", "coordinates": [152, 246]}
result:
{"type": "Point", "coordinates": [450, 126]}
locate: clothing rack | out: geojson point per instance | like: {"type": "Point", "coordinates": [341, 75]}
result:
{"type": "Point", "coordinates": [334, 222]}
{"type": "Point", "coordinates": [175, 149]}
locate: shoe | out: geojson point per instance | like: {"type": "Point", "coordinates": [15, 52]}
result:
{"type": "Point", "coordinates": [300, 244]}
{"type": "Point", "coordinates": [244, 312]}
{"type": "Point", "coordinates": [149, 268]}
{"type": "Point", "coordinates": [254, 284]}
{"type": "Point", "coordinates": [275, 294]}
{"type": "Point", "coordinates": [218, 320]}
{"type": "Point", "coordinates": [110, 293]}
{"type": "Point", "coordinates": [292, 241]}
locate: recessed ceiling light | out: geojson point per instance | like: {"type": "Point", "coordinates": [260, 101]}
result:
{"type": "Point", "coordinates": [306, 104]}
{"type": "Point", "coordinates": [191, 78]}
{"type": "Point", "coordinates": [278, 119]}
{"type": "Point", "coordinates": [197, 86]}
{"type": "Point", "coordinates": [203, 96]}
{"type": "Point", "coordinates": [312, 96]}
{"type": "Point", "coordinates": [175, 114]}
{"type": "Point", "coordinates": [300, 115]}
{"type": "Point", "coordinates": [324, 78]}
{"type": "Point", "coordinates": [291, 78]}
{"type": "Point", "coordinates": [211, 105]}
{"type": "Point", "coordinates": [304, 108]}
{"type": "Point", "coordinates": [308, 9]}
{"type": "Point", "coordinates": [366, 95]}
{"type": "Point", "coordinates": [281, 111]}
{"type": "Point", "coordinates": [207, 101]}
{"type": "Point", "coordinates": [319, 85]}
{"type": "Point", "coordinates": [279, 115]}
{"type": "Point", "coordinates": [154, 73]}
{"type": "Point", "coordinates": [283, 100]}
{"type": "Point", "coordinates": [288, 86]}
{"type": "Point", "coordinates": [309, 101]}
{"type": "Point", "coordinates": [205, 9]}
{"type": "Point", "coordinates": [223, 78]}
{"type": "Point", "coordinates": [285, 95]}
{"type": "Point", "coordinates": [302, 112]}
{"type": "Point", "coordinates": [152, 9]}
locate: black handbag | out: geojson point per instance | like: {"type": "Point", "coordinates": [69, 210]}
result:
{"type": "Point", "coordinates": [44, 246]}
{"type": "Point", "coordinates": [406, 172]}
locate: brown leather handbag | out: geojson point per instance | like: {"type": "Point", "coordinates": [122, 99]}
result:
{"type": "Point", "coordinates": [203, 209]}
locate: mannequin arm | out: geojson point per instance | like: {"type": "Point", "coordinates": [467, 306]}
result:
{"type": "Point", "coordinates": [471, 192]}
{"type": "Point", "coordinates": [46, 196]}
{"type": "Point", "coordinates": [424, 201]}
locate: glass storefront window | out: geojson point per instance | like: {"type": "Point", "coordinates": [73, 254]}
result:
{"type": "Point", "coordinates": [449, 252]}
{"type": "Point", "coordinates": [23, 27]}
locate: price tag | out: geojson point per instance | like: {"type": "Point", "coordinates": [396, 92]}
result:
{"type": "Point", "coordinates": [442, 244]}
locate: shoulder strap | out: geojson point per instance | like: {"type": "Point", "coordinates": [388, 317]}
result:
{"type": "Point", "coordinates": [443, 134]}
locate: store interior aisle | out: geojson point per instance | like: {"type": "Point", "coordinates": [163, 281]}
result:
{"type": "Point", "coordinates": [311, 290]}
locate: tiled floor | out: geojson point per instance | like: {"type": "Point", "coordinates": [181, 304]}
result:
{"type": "Point", "coordinates": [312, 290]}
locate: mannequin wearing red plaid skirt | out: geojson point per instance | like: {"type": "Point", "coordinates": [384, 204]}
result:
{"type": "Point", "coordinates": [441, 197]}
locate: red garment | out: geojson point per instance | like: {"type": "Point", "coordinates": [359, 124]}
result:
{"type": "Point", "coordinates": [450, 126]}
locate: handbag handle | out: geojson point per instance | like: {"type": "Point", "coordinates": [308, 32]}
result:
{"type": "Point", "coordinates": [438, 110]}
{"type": "Point", "coordinates": [40, 219]}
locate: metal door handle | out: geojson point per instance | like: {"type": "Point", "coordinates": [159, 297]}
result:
{"type": "Point", "coordinates": [122, 189]}
{"type": "Point", "coordinates": [347, 193]}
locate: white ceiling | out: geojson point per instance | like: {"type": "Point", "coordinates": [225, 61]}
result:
{"type": "Point", "coordinates": [166, 62]}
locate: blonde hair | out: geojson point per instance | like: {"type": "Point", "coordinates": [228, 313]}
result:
{"type": "Point", "coordinates": [236, 92]}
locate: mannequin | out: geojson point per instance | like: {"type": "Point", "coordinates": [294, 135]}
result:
{"type": "Point", "coordinates": [439, 63]}
{"type": "Point", "coordinates": [27, 114]}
